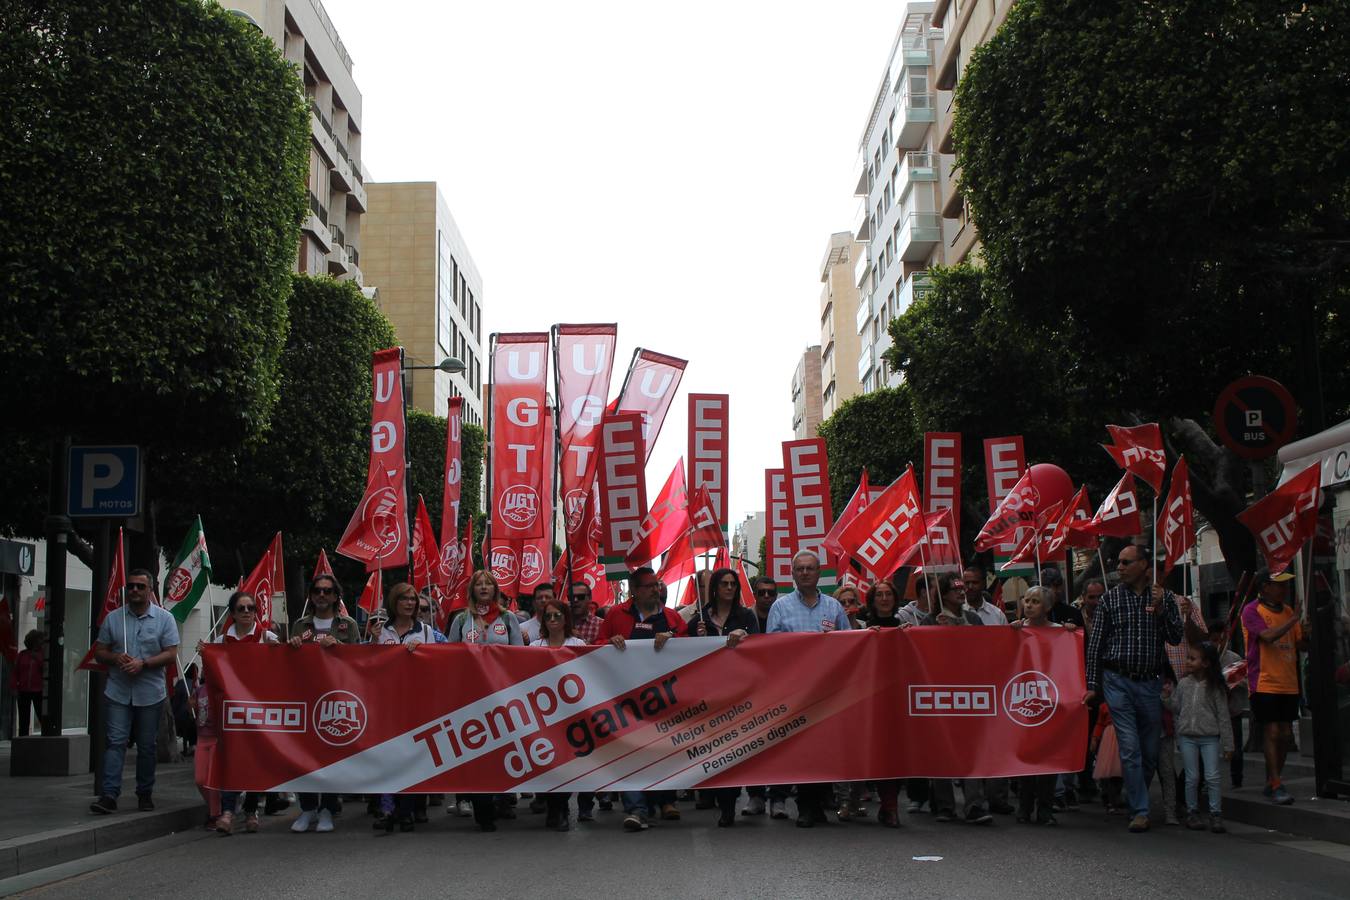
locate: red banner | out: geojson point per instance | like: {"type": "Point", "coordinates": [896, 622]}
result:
{"type": "Point", "coordinates": [623, 488]}
{"type": "Point", "coordinates": [454, 472]}
{"type": "Point", "coordinates": [519, 381]}
{"type": "Point", "coordinates": [942, 475]}
{"type": "Point", "coordinates": [891, 526]}
{"type": "Point", "coordinates": [665, 521]}
{"type": "Point", "coordinates": [1176, 524]}
{"type": "Point", "coordinates": [372, 596]}
{"type": "Point", "coordinates": [536, 554]}
{"type": "Point", "coordinates": [426, 557]}
{"type": "Point", "coordinates": [649, 389]}
{"type": "Point", "coordinates": [378, 531]}
{"type": "Point", "coordinates": [1285, 518]}
{"type": "Point", "coordinates": [709, 441]}
{"type": "Point", "coordinates": [808, 494]}
{"type": "Point", "coordinates": [260, 583]}
{"type": "Point", "coordinates": [777, 547]}
{"type": "Point", "coordinates": [1118, 516]}
{"type": "Point", "coordinates": [968, 702]}
{"type": "Point", "coordinates": [583, 363]}
{"type": "Point", "coordinates": [1004, 462]}
{"type": "Point", "coordinates": [1139, 450]}
{"type": "Point", "coordinates": [458, 559]}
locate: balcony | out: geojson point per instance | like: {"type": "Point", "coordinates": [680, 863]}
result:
{"type": "Point", "coordinates": [916, 50]}
{"type": "Point", "coordinates": [916, 166]}
{"type": "Point", "coordinates": [353, 255]}
{"type": "Point", "coordinates": [864, 363]}
{"type": "Point", "coordinates": [863, 230]}
{"type": "Point", "coordinates": [920, 232]}
{"type": "Point", "coordinates": [341, 174]}
{"type": "Point", "coordinates": [322, 134]}
{"type": "Point", "coordinates": [920, 113]}
{"type": "Point", "coordinates": [356, 197]}
{"type": "Point", "coordinates": [862, 268]}
{"type": "Point", "coordinates": [863, 186]}
{"type": "Point", "coordinates": [337, 260]}
{"type": "Point", "coordinates": [864, 314]}
{"type": "Point", "coordinates": [915, 287]}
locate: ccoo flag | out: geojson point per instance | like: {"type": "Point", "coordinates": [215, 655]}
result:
{"type": "Point", "coordinates": [190, 575]}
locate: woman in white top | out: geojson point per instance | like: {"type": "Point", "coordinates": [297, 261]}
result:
{"type": "Point", "coordinates": [556, 618]}
{"type": "Point", "coordinates": [401, 626]}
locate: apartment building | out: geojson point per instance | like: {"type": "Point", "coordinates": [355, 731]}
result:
{"type": "Point", "coordinates": [838, 337]}
{"type": "Point", "coordinates": [746, 537]}
{"type": "Point", "coordinates": [901, 172]}
{"type": "Point", "coordinates": [966, 24]}
{"type": "Point", "coordinates": [330, 241]}
{"type": "Point", "coordinates": [430, 291]}
{"type": "Point", "coordinates": [806, 394]}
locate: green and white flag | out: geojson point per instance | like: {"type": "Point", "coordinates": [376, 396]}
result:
{"type": "Point", "coordinates": [190, 575]}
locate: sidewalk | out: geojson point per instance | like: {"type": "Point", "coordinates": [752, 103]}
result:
{"type": "Point", "coordinates": [46, 821]}
{"type": "Point", "coordinates": [1309, 816]}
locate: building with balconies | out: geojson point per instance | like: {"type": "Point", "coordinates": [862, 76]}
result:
{"type": "Point", "coordinates": [430, 291]}
{"type": "Point", "coordinates": [806, 395]}
{"type": "Point", "coordinates": [900, 181]}
{"type": "Point", "coordinates": [838, 332]}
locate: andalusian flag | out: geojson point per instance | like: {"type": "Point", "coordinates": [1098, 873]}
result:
{"type": "Point", "coordinates": [190, 574]}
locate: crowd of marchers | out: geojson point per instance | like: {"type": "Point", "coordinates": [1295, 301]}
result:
{"type": "Point", "coordinates": [1167, 692]}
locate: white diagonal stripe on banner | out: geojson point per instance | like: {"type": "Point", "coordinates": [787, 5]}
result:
{"type": "Point", "coordinates": [403, 761]}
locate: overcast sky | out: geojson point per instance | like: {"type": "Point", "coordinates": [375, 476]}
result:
{"type": "Point", "coordinates": [675, 168]}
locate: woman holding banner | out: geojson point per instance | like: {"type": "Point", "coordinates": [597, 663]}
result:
{"type": "Point", "coordinates": [244, 629]}
{"type": "Point", "coordinates": [555, 617]}
{"type": "Point", "coordinates": [486, 621]}
{"type": "Point", "coordinates": [401, 627]}
{"type": "Point", "coordinates": [881, 611]}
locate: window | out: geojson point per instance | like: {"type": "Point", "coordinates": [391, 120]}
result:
{"type": "Point", "coordinates": [445, 301]}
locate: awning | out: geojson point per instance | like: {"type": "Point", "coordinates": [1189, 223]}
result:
{"type": "Point", "coordinates": [1329, 449]}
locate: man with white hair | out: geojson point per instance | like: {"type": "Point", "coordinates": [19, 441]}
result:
{"type": "Point", "coordinates": [806, 608]}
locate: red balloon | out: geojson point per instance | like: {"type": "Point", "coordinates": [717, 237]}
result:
{"type": "Point", "coordinates": [1052, 483]}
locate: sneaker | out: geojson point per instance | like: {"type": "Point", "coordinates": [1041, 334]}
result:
{"type": "Point", "coordinates": [1216, 824]}
{"type": "Point", "coordinates": [777, 809]}
{"type": "Point", "coordinates": [635, 822]}
{"type": "Point", "coordinates": [303, 822]}
{"type": "Point", "coordinates": [754, 808]}
{"type": "Point", "coordinates": [859, 811]}
{"type": "Point", "coordinates": [144, 803]}
{"type": "Point", "coordinates": [325, 821]}
{"type": "Point", "coordinates": [606, 804]}
{"type": "Point", "coordinates": [104, 805]}
{"type": "Point", "coordinates": [945, 815]}
{"type": "Point", "coordinates": [251, 824]}
{"type": "Point", "coordinates": [1281, 796]}
{"type": "Point", "coordinates": [1060, 805]}
{"type": "Point", "coordinates": [844, 813]}
{"type": "Point", "coordinates": [670, 813]}
{"type": "Point", "coordinates": [225, 823]}
{"type": "Point", "coordinates": [1046, 820]}
{"type": "Point", "coordinates": [978, 816]}
{"type": "Point", "coordinates": [1139, 824]}
{"type": "Point", "coordinates": [1193, 822]}
{"type": "Point", "coordinates": [463, 809]}
{"type": "Point", "coordinates": [1268, 792]}
{"type": "Point", "coordinates": [915, 807]}
{"type": "Point", "coordinates": [585, 816]}
{"type": "Point", "coordinates": [726, 819]}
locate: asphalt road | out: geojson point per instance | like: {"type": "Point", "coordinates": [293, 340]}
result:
{"type": "Point", "coordinates": [1089, 854]}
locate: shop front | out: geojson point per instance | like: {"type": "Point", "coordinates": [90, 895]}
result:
{"type": "Point", "coordinates": [1324, 587]}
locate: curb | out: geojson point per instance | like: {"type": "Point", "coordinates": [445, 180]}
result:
{"type": "Point", "coordinates": [44, 849]}
{"type": "Point", "coordinates": [1326, 820]}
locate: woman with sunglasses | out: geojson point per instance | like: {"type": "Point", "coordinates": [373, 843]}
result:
{"type": "Point", "coordinates": [881, 611]}
{"type": "Point", "coordinates": [723, 615]}
{"type": "Point", "coordinates": [556, 621]}
{"type": "Point", "coordinates": [323, 625]}
{"type": "Point", "coordinates": [244, 629]}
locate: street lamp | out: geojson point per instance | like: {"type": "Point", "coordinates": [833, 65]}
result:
{"type": "Point", "coordinates": [451, 365]}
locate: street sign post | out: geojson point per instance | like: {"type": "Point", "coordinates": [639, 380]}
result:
{"type": "Point", "coordinates": [104, 482]}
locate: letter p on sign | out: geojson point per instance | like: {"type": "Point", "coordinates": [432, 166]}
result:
{"type": "Point", "coordinates": [104, 482]}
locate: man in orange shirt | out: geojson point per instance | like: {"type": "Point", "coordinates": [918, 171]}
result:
{"type": "Point", "coordinates": [1274, 638]}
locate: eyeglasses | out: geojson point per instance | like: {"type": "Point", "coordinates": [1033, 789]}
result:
{"type": "Point", "coordinates": [766, 592]}
{"type": "Point", "coordinates": [245, 609]}
{"type": "Point", "coordinates": [553, 617]}
{"type": "Point", "coordinates": [137, 586]}
{"type": "Point", "coordinates": [323, 590]}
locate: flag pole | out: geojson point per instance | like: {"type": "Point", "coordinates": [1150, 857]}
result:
{"type": "Point", "coordinates": [1155, 537]}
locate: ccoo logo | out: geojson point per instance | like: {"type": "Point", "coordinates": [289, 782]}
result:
{"type": "Point", "coordinates": [1030, 698]}
{"type": "Point", "coordinates": [339, 718]}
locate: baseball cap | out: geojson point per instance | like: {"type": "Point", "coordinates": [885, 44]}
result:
{"type": "Point", "coordinates": [1263, 575]}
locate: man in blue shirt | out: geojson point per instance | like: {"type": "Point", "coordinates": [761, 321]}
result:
{"type": "Point", "coordinates": [136, 642]}
{"type": "Point", "coordinates": [806, 608]}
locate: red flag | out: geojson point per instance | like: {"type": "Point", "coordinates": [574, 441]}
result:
{"type": "Point", "coordinates": [454, 482]}
{"type": "Point", "coordinates": [653, 378]}
{"type": "Point", "coordinates": [942, 474]}
{"type": "Point", "coordinates": [704, 533]}
{"type": "Point", "coordinates": [583, 363]}
{"type": "Point", "coordinates": [1004, 463]}
{"type": "Point", "coordinates": [1079, 518]}
{"type": "Point", "coordinates": [426, 558]}
{"type": "Point", "coordinates": [1118, 516]}
{"type": "Point", "coordinates": [623, 488]}
{"type": "Point", "coordinates": [1014, 512]}
{"type": "Point", "coordinates": [777, 553]}
{"type": "Point", "coordinates": [1285, 518]}
{"type": "Point", "coordinates": [1176, 522]}
{"type": "Point", "coordinates": [709, 441]}
{"type": "Point", "coordinates": [1139, 450]}
{"type": "Point", "coordinates": [323, 567]}
{"type": "Point", "coordinates": [278, 578]}
{"type": "Point", "coordinates": [259, 583]}
{"type": "Point", "coordinates": [112, 599]}
{"type": "Point", "coordinates": [889, 528]}
{"type": "Point", "coordinates": [939, 550]}
{"type": "Point", "coordinates": [1034, 547]}
{"type": "Point", "coordinates": [377, 534]}
{"type": "Point", "coordinates": [459, 563]}
{"type": "Point", "coordinates": [747, 593]}
{"type": "Point", "coordinates": [519, 383]}
{"type": "Point", "coordinates": [806, 467]}
{"type": "Point", "coordinates": [664, 523]}
{"type": "Point", "coordinates": [856, 504]}
{"type": "Point", "coordinates": [372, 598]}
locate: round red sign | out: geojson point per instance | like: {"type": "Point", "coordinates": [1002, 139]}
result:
{"type": "Point", "coordinates": [1255, 416]}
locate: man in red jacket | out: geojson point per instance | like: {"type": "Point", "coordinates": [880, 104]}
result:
{"type": "Point", "coordinates": [642, 619]}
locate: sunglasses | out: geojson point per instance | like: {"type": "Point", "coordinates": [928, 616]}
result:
{"type": "Point", "coordinates": [767, 592]}
{"type": "Point", "coordinates": [245, 609]}
{"type": "Point", "coordinates": [553, 617]}
{"type": "Point", "coordinates": [323, 590]}
{"type": "Point", "coordinates": [135, 586]}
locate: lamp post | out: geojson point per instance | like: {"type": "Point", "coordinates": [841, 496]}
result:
{"type": "Point", "coordinates": [451, 365]}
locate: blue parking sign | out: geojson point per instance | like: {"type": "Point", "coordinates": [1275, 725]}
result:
{"type": "Point", "coordinates": [104, 482]}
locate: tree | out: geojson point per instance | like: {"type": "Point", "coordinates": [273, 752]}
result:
{"type": "Point", "coordinates": [426, 440]}
{"type": "Point", "coordinates": [1160, 190]}
{"type": "Point", "coordinates": [154, 175]}
{"type": "Point", "coordinates": [875, 431]}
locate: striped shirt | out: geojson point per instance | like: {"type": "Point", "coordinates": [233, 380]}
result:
{"type": "Point", "coordinates": [1126, 637]}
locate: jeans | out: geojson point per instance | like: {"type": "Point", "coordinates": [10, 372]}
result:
{"type": "Point", "coordinates": [1136, 711]}
{"type": "Point", "coordinates": [942, 796]}
{"type": "Point", "coordinates": [124, 720]}
{"type": "Point", "coordinates": [29, 702]}
{"type": "Point", "coordinates": [648, 803]}
{"type": "Point", "coordinates": [1036, 796]}
{"type": "Point", "coordinates": [1195, 748]}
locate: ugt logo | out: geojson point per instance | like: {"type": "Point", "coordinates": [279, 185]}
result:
{"type": "Point", "coordinates": [1030, 698]}
{"type": "Point", "coordinates": [519, 506]}
{"type": "Point", "coordinates": [339, 718]}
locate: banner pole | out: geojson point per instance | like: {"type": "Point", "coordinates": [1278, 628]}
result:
{"type": "Point", "coordinates": [558, 467]}
{"type": "Point", "coordinates": [492, 428]}
{"type": "Point", "coordinates": [1155, 537]}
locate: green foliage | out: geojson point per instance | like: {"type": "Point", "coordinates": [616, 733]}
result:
{"type": "Point", "coordinates": [305, 475]}
{"type": "Point", "coordinates": [1164, 186]}
{"type": "Point", "coordinates": [875, 431]}
{"type": "Point", "coordinates": [154, 179]}
{"type": "Point", "coordinates": [426, 440]}
{"type": "Point", "coordinates": [762, 563]}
